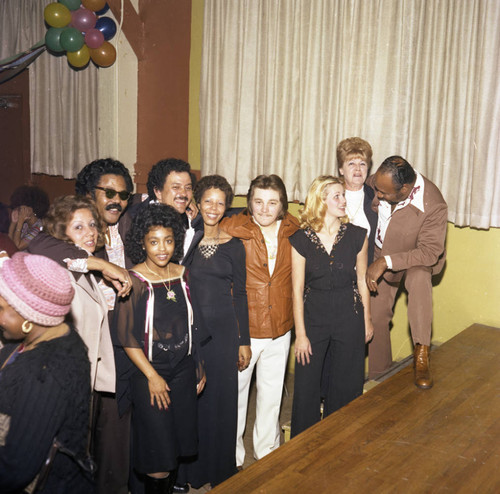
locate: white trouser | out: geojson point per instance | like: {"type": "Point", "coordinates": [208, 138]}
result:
{"type": "Point", "coordinates": [271, 357]}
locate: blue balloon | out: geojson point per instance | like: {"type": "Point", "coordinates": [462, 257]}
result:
{"type": "Point", "coordinates": [103, 10]}
{"type": "Point", "coordinates": [107, 26]}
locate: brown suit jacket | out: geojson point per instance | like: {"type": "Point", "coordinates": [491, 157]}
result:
{"type": "Point", "coordinates": [415, 238]}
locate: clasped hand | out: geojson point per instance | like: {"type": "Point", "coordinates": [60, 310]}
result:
{"type": "Point", "coordinates": [375, 270]}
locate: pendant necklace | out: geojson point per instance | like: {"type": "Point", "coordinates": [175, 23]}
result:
{"type": "Point", "coordinates": [170, 292]}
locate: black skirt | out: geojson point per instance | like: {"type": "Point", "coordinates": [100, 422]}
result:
{"type": "Point", "coordinates": [160, 437]}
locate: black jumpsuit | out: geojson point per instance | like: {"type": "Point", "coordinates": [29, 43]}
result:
{"type": "Point", "coordinates": [334, 322]}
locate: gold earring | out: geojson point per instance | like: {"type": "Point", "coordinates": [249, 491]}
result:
{"type": "Point", "coordinates": [27, 327]}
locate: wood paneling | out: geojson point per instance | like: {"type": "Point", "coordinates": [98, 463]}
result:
{"type": "Point", "coordinates": [398, 438]}
{"type": "Point", "coordinates": [160, 35]}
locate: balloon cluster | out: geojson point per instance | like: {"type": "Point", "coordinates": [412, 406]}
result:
{"type": "Point", "coordinates": [76, 27]}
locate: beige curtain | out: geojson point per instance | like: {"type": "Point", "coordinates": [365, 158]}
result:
{"type": "Point", "coordinates": [63, 102]}
{"type": "Point", "coordinates": [284, 81]}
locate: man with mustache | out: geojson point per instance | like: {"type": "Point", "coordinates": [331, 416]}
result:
{"type": "Point", "coordinates": [109, 184]}
{"type": "Point", "coordinates": [170, 182]}
{"type": "Point", "coordinates": [409, 246]}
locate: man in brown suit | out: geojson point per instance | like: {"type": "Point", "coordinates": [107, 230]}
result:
{"type": "Point", "coordinates": [409, 245]}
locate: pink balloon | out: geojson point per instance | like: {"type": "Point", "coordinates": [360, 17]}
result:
{"type": "Point", "coordinates": [83, 19]}
{"type": "Point", "coordinates": [94, 38]}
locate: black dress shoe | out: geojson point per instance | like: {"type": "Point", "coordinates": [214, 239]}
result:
{"type": "Point", "coordinates": [181, 488]}
{"type": "Point", "coordinates": [156, 486]}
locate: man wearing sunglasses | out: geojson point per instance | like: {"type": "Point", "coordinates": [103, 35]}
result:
{"type": "Point", "coordinates": [109, 184]}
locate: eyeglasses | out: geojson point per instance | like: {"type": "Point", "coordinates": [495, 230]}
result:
{"type": "Point", "coordinates": [110, 193]}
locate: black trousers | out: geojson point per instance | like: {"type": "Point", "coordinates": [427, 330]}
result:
{"type": "Point", "coordinates": [336, 330]}
{"type": "Point", "coordinates": [111, 445]}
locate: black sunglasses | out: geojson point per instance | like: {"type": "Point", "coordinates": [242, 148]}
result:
{"type": "Point", "coordinates": [110, 193]}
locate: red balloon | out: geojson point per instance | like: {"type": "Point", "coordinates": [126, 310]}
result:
{"type": "Point", "coordinates": [104, 56]}
{"type": "Point", "coordinates": [94, 38]}
{"type": "Point", "coordinates": [94, 5]}
{"type": "Point", "coordinates": [83, 19]}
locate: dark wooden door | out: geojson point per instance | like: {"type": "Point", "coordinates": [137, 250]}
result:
{"type": "Point", "coordinates": [14, 135]}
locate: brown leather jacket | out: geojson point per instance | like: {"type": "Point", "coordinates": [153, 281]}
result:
{"type": "Point", "coordinates": [269, 297]}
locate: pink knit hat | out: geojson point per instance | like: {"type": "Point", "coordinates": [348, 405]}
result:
{"type": "Point", "coordinates": [37, 288]}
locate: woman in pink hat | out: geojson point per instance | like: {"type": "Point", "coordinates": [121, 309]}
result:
{"type": "Point", "coordinates": [44, 381]}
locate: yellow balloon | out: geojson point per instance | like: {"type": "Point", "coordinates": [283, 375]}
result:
{"type": "Point", "coordinates": [57, 15]}
{"type": "Point", "coordinates": [80, 58]}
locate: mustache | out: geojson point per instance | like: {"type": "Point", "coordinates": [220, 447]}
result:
{"type": "Point", "coordinates": [114, 205]}
{"type": "Point", "coordinates": [182, 198]}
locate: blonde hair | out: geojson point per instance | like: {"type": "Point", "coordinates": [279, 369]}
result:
{"type": "Point", "coordinates": [312, 215]}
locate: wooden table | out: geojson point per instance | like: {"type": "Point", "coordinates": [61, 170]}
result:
{"type": "Point", "coordinates": [398, 438]}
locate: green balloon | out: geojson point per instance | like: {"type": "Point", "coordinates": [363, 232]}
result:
{"type": "Point", "coordinates": [53, 39]}
{"type": "Point", "coordinates": [71, 4]}
{"type": "Point", "coordinates": [72, 39]}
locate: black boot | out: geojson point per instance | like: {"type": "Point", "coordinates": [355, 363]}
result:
{"type": "Point", "coordinates": [157, 486]}
{"type": "Point", "coordinates": [177, 488]}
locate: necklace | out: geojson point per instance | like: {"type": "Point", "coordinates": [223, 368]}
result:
{"type": "Point", "coordinates": [208, 246]}
{"type": "Point", "coordinates": [170, 292]}
{"type": "Point", "coordinates": [271, 241]}
{"type": "Point", "coordinates": [360, 203]}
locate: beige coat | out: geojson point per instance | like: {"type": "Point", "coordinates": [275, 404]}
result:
{"type": "Point", "coordinates": [89, 312]}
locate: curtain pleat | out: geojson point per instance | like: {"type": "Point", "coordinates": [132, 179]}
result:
{"type": "Point", "coordinates": [284, 81]}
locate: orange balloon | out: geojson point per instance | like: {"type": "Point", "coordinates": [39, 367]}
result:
{"type": "Point", "coordinates": [104, 56]}
{"type": "Point", "coordinates": [80, 58]}
{"type": "Point", "coordinates": [94, 5]}
{"type": "Point", "coordinates": [57, 15]}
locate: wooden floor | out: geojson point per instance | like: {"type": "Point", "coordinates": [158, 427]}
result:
{"type": "Point", "coordinates": [398, 438]}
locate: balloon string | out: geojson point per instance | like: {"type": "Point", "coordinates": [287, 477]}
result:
{"type": "Point", "coordinates": [121, 21]}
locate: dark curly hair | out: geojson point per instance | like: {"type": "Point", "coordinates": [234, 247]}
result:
{"type": "Point", "coordinates": [32, 196]}
{"type": "Point", "coordinates": [400, 170]}
{"type": "Point", "coordinates": [160, 171]}
{"type": "Point", "coordinates": [91, 174]}
{"type": "Point", "coordinates": [61, 212]}
{"type": "Point", "coordinates": [213, 182]}
{"type": "Point", "coordinates": [148, 217]}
